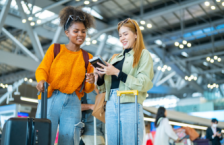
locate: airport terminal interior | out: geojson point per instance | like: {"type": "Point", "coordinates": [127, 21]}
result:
{"type": "Point", "coordinates": [184, 37]}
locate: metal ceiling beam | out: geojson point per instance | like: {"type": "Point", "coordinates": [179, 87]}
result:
{"type": "Point", "coordinates": [196, 57]}
{"type": "Point", "coordinates": [186, 30]}
{"type": "Point", "coordinates": [53, 6]}
{"type": "Point", "coordinates": [22, 47]}
{"type": "Point", "coordinates": [157, 13]}
{"type": "Point", "coordinates": [4, 12]}
{"type": "Point", "coordinates": [175, 68]}
{"type": "Point", "coordinates": [33, 37]}
{"type": "Point", "coordinates": [165, 79]}
{"type": "Point", "coordinates": [18, 61]}
{"type": "Point", "coordinates": [202, 47]}
{"type": "Point", "coordinates": [57, 35]}
{"type": "Point", "coordinates": [13, 77]}
{"type": "Point", "coordinates": [101, 46]}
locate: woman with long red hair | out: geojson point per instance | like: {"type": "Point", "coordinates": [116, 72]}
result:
{"type": "Point", "coordinates": [132, 69]}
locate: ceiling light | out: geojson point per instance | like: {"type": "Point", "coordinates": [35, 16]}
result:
{"type": "Point", "coordinates": [209, 85]}
{"type": "Point", "coordinates": [77, 0]}
{"type": "Point", "coordinates": [86, 2]}
{"type": "Point", "coordinates": [169, 68]}
{"type": "Point", "coordinates": [87, 43]}
{"type": "Point", "coordinates": [141, 28]}
{"type": "Point", "coordinates": [165, 66]}
{"type": "Point", "coordinates": [214, 84]}
{"type": "Point", "coordinates": [24, 21]}
{"type": "Point", "coordinates": [212, 60]}
{"type": "Point", "coordinates": [218, 1]}
{"type": "Point", "coordinates": [186, 77]}
{"type": "Point", "coordinates": [192, 76]}
{"type": "Point", "coordinates": [222, 3]}
{"type": "Point", "coordinates": [25, 79]}
{"type": "Point", "coordinates": [184, 42]}
{"type": "Point", "coordinates": [181, 46]}
{"type": "Point", "coordinates": [142, 22]}
{"type": "Point", "coordinates": [208, 58]}
{"type": "Point", "coordinates": [184, 54]}
{"type": "Point", "coordinates": [30, 18]}
{"type": "Point", "coordinates": [176, 43]}
{"type": "Point", "coordinates": [219, 59]}
{"type": "Point", "coordinates": [149, 25]}
{"type": "Point", "coordinates": [30, 80]}
{"type": "Point", "coordinates": [207, 3]}
{"type": "Point", "coordinates": [215, 57]}
{"type": "Point", "coordinates": [159, 68]}
{"type": "Point", "coordinates": [32, 24]}
{"type": "Point", "coordinates": [163, 69]}
{"type": "Point", "coordinates": [195, 78]}
{"type": "Point", "coordinates": [94, 0]}
{"type": "Point", "coordinates": [188, 44]}
{"type": "Point", "coordinates": [29, 99]}
{"type": "Point", "coordinates": [189, 79]}
{"type": "Point", "coordinates": [213, 7]}
{"type": "Point", "coordinates": [38, 21]}
{"type": "Point", "coordinates": [94, 41]}
{"type": "Point", "coordinates": [88, 39]}
{"type": "Point", "coordinates": [217, 86]}
{"type": "Point", "coordinates": [147, 95]}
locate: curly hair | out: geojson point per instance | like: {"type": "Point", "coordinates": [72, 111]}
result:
{"type": "Point", "coordinates": [78, 15]}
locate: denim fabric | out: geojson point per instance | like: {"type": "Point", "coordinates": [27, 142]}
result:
{"type": "Point", "coordinates": [64, 110]}
{"type": "Point", "coordinates": [127, 121]}
{"type": "Point", "coordinates": [88, 118]}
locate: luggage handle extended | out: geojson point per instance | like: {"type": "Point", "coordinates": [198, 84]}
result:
{"type": "Point", "coordinates": [134, 92]}
{"type": "Point", "coordinates": [44, 101]}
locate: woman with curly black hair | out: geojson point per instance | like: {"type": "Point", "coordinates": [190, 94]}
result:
{"type": "Point", "coordinates": [69, 76]}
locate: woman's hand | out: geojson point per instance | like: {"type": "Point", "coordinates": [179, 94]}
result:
{"type": "Point", "coordinates": [90, 78]}
{"type": "Point", "coordinates": [108, 70]}
{"type": "Point", "coordinates": [40, 86]}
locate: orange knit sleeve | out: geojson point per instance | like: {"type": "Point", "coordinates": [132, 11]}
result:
{"type": "Point", "coordinates": [89, 87]}
{"type": "Point", "coordinates": [43, 69]}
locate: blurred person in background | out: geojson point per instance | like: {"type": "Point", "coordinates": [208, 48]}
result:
{"type": "Point", "coordinates": [213, 133]}
{"type": "Point", "coordinates": [164, 130]}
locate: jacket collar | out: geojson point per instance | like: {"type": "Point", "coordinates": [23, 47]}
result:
{"type": "Point", "coordinates": [130, 53]}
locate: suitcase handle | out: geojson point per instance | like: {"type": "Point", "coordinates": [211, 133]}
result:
{"type": "Point", "coordinates": [44, 102]}
{"type": "Point", "coordinates": [119, 93]}
{"type": "Point", "coordinates": [135, 92]}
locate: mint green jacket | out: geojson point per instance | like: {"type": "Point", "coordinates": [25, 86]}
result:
{"type": "Point", "coordinates": [139, 78]}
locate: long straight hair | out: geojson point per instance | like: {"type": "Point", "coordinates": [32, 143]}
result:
{"type": "Point", "coordinates": [139, 43]}
{"type": "Point", "coordinates": [160, 114]}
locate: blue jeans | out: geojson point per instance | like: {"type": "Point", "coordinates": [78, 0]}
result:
{"type": "Point", "coordinates": [64, 110]}
{"type": "Point", "coordinates": [127, 121]}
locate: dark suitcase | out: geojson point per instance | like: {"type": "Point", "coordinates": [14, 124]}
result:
{"type": "Point", "coordinates": [29, 131]}
{"type": "Point", "coordinates": [201, 142]}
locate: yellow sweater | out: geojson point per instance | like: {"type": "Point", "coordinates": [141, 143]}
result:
{"type": "Point", "coordinates": [65, 73]}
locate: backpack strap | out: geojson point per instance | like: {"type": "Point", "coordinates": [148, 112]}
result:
{"type": "Point", "coordinates": [56, 49]}
{"type": "Point", "coordinates": [86, 59]}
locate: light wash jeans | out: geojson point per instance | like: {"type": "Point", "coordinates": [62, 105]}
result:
{"type": "Point", "coordinates": [127, 121]}
{"type": "Point", "coordinates": [64, 110]}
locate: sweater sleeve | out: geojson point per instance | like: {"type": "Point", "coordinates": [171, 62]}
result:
{"type": "Point", "coordinates": [89, 87]}
{"type": "Point", "coordinates": [43, 69]}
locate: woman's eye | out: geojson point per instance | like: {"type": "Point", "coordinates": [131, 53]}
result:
{"type": "Point", "coordinates": [76, 31]}
{"type": "Point", "coordinates": [84, 32]}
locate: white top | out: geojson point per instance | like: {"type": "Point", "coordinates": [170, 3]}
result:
{"type": "Point", "coordinates": [164, 132]}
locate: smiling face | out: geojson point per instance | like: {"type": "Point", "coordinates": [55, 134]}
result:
{"type": "Point", "coordinates": [76, 33]}
{"type": "Point", "coordinates": [127, 37]}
